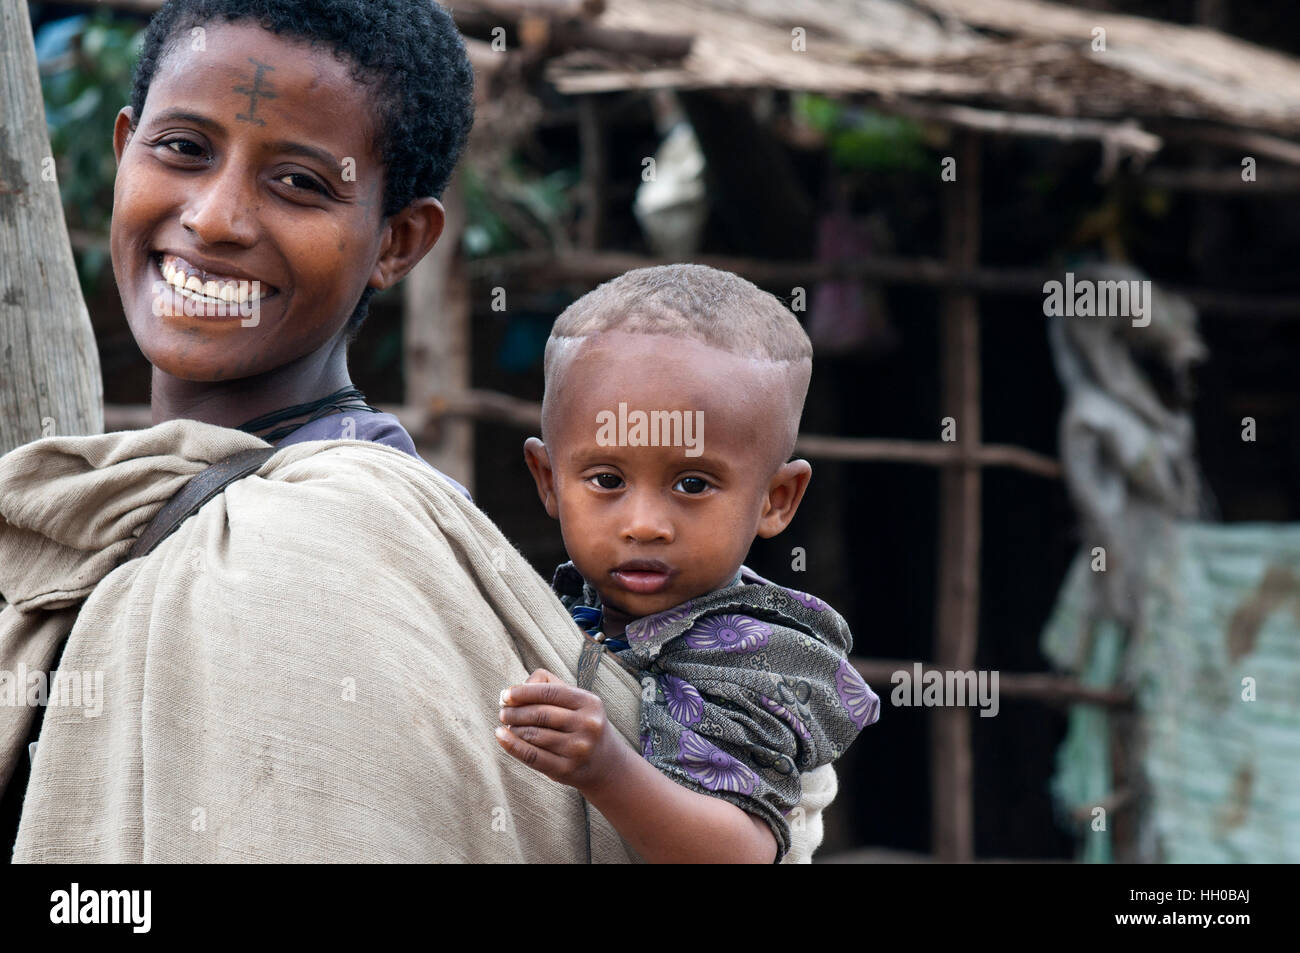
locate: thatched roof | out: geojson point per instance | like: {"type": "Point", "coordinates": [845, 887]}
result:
{"type": "Point", "coordinates": [1009, 55]}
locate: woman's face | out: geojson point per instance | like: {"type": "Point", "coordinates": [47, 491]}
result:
{"type": "Point", "coordinates": [251, 178]}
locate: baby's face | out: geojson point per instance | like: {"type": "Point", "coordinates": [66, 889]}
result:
{"type": "Point", "coordinates": [653, 526]}
{"type": "Point", "coordinates": [253, 161]}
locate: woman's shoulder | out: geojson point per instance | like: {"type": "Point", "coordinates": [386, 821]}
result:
{"type": "Point", "coordinates": [72, 506]}
{"type": "Point", "coordinates": [370, 426]}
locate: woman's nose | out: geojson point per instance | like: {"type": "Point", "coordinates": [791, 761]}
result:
{"type": "Point", "coordinates": [219, 210]}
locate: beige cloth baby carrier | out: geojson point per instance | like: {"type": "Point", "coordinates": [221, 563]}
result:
{"type": "Point", "coordinates": [306, 669]}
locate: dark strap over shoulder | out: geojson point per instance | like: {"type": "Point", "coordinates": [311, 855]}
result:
{"type": "Point", "coordinates": [588, 662]}
{"type": "Point", "coordinates": [201, 488]}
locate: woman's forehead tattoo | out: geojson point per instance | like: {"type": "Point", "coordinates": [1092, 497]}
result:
{"type": "Point", "coordinates": [255, 92]}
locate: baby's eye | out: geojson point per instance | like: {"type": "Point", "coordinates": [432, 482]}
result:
{"type": "Point", "coordinates": [691, 485]}
{"type": "Point", "coordinates": [607, 481]}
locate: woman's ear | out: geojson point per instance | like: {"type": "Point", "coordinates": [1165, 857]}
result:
{"type": "Point", "coordinates": [123, 127]}
{"type": "Point", "coordinates": [784, 493]}
{"type": "Point", "coordinates": [539, 465]}
{"type": "Point", "coordinates": [408, 237]}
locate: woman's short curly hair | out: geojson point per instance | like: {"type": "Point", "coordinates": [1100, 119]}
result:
{"type": "Point", "coordinates": [408, 51]}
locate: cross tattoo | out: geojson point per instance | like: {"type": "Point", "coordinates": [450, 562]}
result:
{"type": "Point", "coordinates": [253, 92]}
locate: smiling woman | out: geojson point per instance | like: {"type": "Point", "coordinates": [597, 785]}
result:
{"type": "Point", "coordinates": [252, 172]}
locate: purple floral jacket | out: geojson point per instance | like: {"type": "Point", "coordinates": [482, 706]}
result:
{"type": "Point", "coordinates": [743, 689]}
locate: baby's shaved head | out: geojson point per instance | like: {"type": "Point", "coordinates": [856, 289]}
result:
{"type": "Point", "coordinates": [692, 302]}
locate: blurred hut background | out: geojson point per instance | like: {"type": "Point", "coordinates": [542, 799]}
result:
{"type": "Point", "coordinates": [907, 176]}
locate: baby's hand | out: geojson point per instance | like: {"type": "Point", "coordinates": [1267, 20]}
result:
{"type": "Point", "coordinates": [559, 730]}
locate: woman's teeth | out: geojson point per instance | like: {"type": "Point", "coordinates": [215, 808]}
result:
{"type": "Point", "coordinates": [193, 282]}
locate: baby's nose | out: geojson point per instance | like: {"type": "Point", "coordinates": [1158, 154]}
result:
{"type": "Point", "coordinates": [647, 523]}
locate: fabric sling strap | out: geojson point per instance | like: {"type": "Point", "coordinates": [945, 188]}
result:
{"type": "Point", "coordinates": [201, 488]}
{"type": "Point", "coordinates": [588, 662]}
{"type": "Point", "coordinates": [188, 500]}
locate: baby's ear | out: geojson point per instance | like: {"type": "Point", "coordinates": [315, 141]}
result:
{"type": "Point", "coordinates": [539, 465]}
{"type": "Point", "coordinates": [784, 493]}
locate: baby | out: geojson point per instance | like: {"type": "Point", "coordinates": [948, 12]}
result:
{"type": "Point", "coordinates": [672, 404]}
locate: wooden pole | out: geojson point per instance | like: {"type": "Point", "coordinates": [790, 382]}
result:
{"type": "Point", "coordinates": [957, 596]}
{"type": "Point", "coordinates": [436, 344]}
{"type": "Point", "coordinates": [591, 136]}
{"type": "Point", "coordinates": [49, 366]}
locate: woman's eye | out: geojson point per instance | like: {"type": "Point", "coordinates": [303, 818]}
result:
{"type": "Point", "coordinates": [180, 145]}
{"type": "Point", "coordinates": [299, 181]}
{"type": "Point", "coordinates": [691, 485]}
{"type": "Point", "coordinates": [608, 481]}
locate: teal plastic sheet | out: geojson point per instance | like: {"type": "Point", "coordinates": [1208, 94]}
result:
{"type": "Point", "coordinates": [1215, 662]}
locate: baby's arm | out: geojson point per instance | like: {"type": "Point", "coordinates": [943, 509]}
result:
{"type": "Point", "coordinates": [561, 731]}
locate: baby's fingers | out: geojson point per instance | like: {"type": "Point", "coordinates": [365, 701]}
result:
{"type": "Point", "coordinates": [554, 693]}
{"type": "Point", "coordinates": [556, 742]}
{"type": "Point", "coordinates": [517, 694]}
{"type": "Point", "coordinates": [542, 716]}
{"type": "Point", "coordinates": [531, 755]}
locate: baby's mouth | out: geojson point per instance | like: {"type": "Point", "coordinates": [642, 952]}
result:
{"type": "Point", "coordinates": [643, 576]}
{"type": "Point", "coordinates": [191, 281]}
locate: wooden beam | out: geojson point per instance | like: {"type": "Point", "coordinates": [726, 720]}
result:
{"type": "Point", "coordinates": [50, 379]}
{"type": "Point", "coordinates": [957, 586]}
{"type": "Point", "coordinates": [1119, 138]}
{"type": "Point", "coordinates": [1211, 181]}
{"type": "Point", "coordinates": [491, 407]}
{"type": "Point", "coordinates": [592, 268]}
{"type": "Point", "coordinates": [588, 269]}
{"type": "Point", "coordinates": [1046, 688]}
{"type": "Point", "coordinates": [436, 344]}
{"type": "Point", "coordinates": [920, 451]}
{"type": "Point", "coordinates": [1240, 142]}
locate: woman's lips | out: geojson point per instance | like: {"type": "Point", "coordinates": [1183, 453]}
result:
{"type": "Point", "coordinates": [181, 288]}
{"type": "Point", "coordinates": [643, 577]}
{"type": "Point", "coordinates": [184, 274]}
